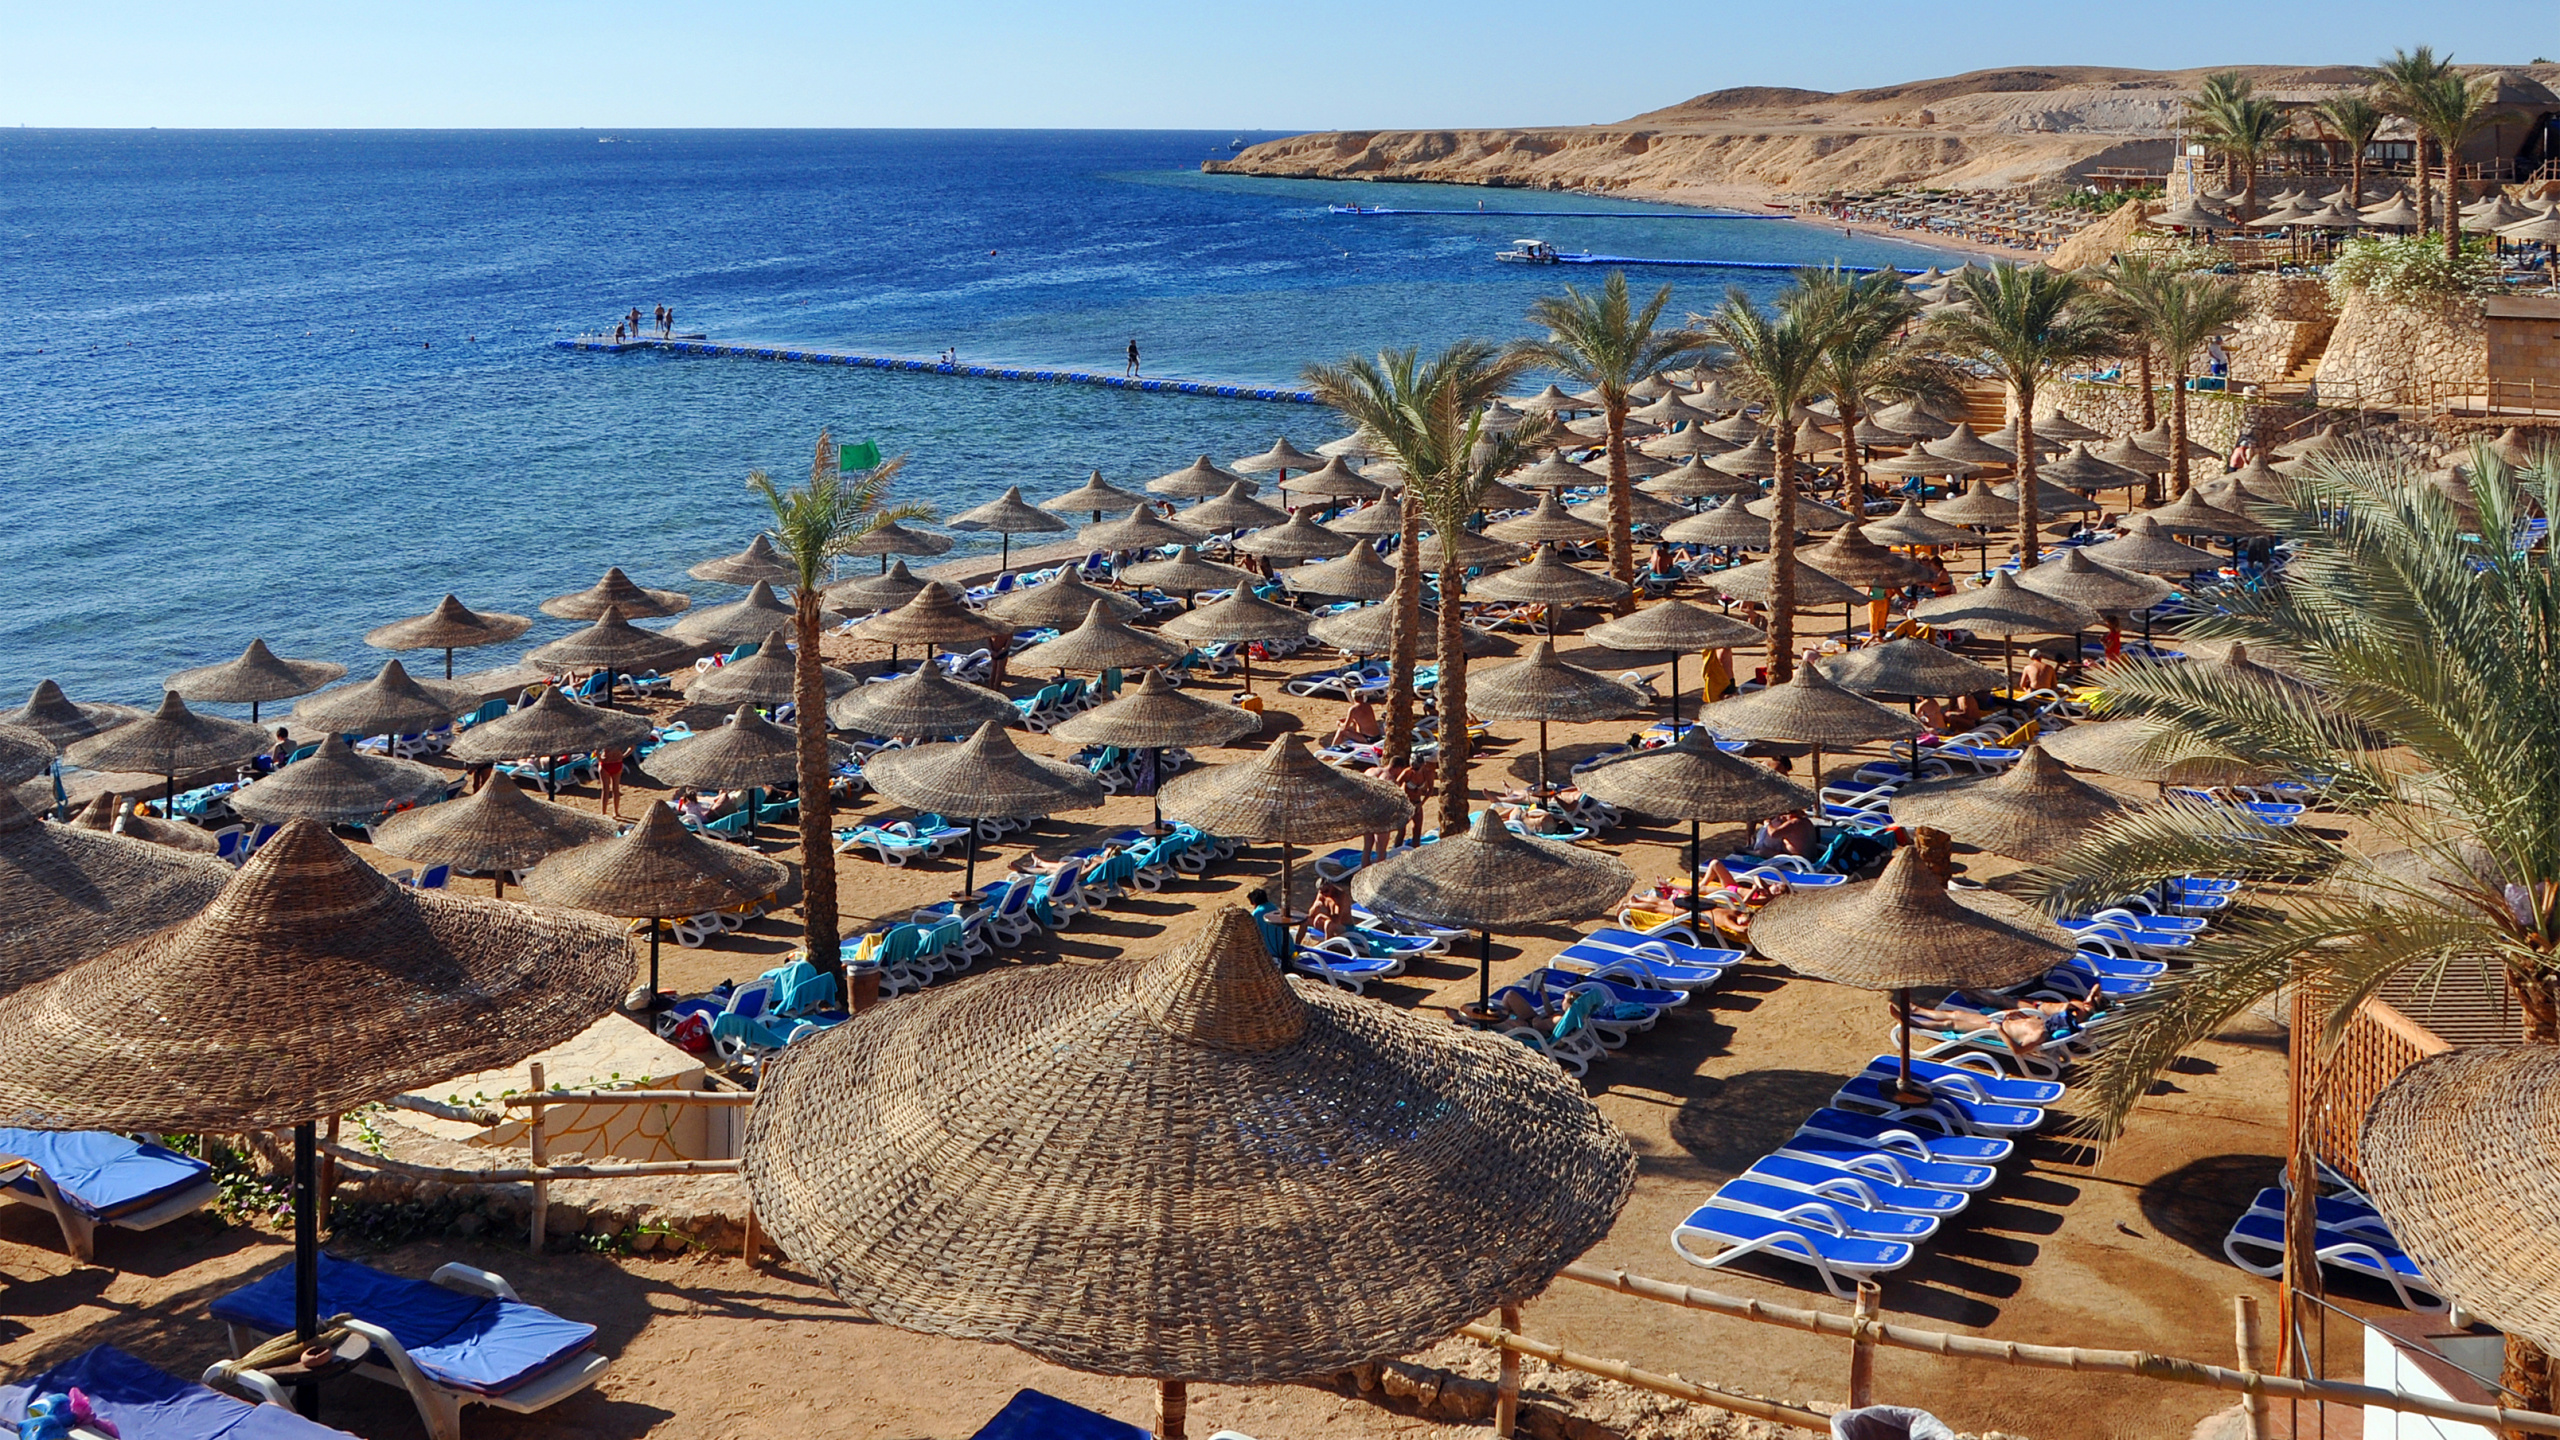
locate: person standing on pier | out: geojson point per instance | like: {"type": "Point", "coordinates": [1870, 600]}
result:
{"type": "Point", "coordinates": [1133, 357]}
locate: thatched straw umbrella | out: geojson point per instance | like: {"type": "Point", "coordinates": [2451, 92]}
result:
{"type": "Point", "coordinates": [2033, 810]}
{"type": "Point", "coordinates": [1549, 581]}
{"type": "Point", "coordinates": [1730, 526]}
{"type": "Point", "coordinates": [24, 754]}
{"type": "Point", "coordinates": [2144, 547]}
{"type": "Point", "coordinates": [758, 564]}
{"type": "Point", "coordinates": [1333, 481]}
{"type": "Point", "coordinates": [1058, 603]}
{"type": "Point", "coordinates": [311, 986]}
{"type": "Point", "coordinates": [1807, 710]}
{"type": "Point", "coordinates": [71, 892]}
{"type": "Point", "coordinates": [1854, 560]}
{"type": "Point", "coordinates": [495, 831]}
{"type": "Point", "coordinates": [1197, 481]}
{"type": "Point", "coordinates": [2457, 1157]}
{"type": "Point", "coordinates": [981, 778]}
{"type": "Point", "coordinates": [1285, 793]}
{"type": "Point", "coordinates": [1008, 515]}
{"type": "Point", "coordinates": [391, 703]}
{"type": "Point", "coordinates": [1737, 427]}
{"type": "Point", "coordinates": [1539, 687]}
{"type": "Point", "coordinates": [1675, 627]}
{"type": "Point", "coordinates": [2189, 514]}
{"type": "Point", "coordinates": [1691, 442]}
{"type": "Point", "coordinates": [1549, 475]}
{"type": "Point", "coordinates": [1909, 666]}
{"type": "Point", "coordinates": [1243, 619]}
{"type": "Point", "coordinates": [1490, 879]}
{"type": "Point", "coordinates": [934, 617]}
{"type": "Point", "coordinates": [1906, 929]}
{"type": "Point", "coordinates": [51, 714]}
{"type": "Point", "coordinates": [1548, 521]}
{"type": "Point", "coordinates": [896, 539]}
{"type": "Point", "coordinates": [617, 592]}
{"type": "Point", "coordinates": [1550, 401]}
{"type": "Point", "coordinates": [2063, 428]}
{"type": "Point", "coordinates": [1358, 445]}
{"type": "Point", "coordinates": [450, 626]}
{"type": "Point", "coordinates": [925, 702]}
{"type": "Point", "coordinates": [1093, 497]}
{"type": "Point", "coordinates": [169, 740]}
{"type": "Point", "coordinates": [1100, 643]}
{"type": "Point", "coordinates": [1236, 509]}
{"type": "Point", "coordinates": [1370, 630]}
{"type": "Point", "coordinates": [2080, 470]}
{"type": "Point", "coordinates": [749, 753]}
{"type": "Point", "coordinates": [2094, 585]}
{"type": "Point", "coordinates": [1185, 573]}
{"type": "Point", "coordinates": [1811, 514]}
{"type": "Point", "coordinates": [1695, 481]}
{"type": "Point", "coordinates": [1912, 418]}
{"type": "Point", "coordinates": [1472, 550]}
{"type": "Point", "coordinates": [2007, 609]}
{"type": "Point", "coordinates": [108, 812]}
{"type": "Point", "coordinates": [770, 676]}
{"type": "Point", "coordinates": [2051, 499]}
{"type": "Point", "coordinates": [337, 786]}
{"type": "Point", "coordinates": [1960, 443]}
{"type": "Point", "coordinates": [1142, 530]}
{"type": "Point", "coordinates": [1298, 540]}
{"type": "Point", "coordinates": [1643, 511]}
{"type": "Point", "coordinates": [259, 675]}
{"type": "Point", "coordinates": [867, 594]}
{"type": "Point", "coordinates": [1909, 526]}
{"type": "Point", "coordinates": [612, 643]}
{"type": "Point", "coordinates": [1924, 462]}
{"type": "Point", "coordinates": [1099, 1206]}
{"type": "Point", "coordinates": [552, 725]}
{"type": "Point", "coordinates": [740, 622]}
{"type": "Point", "coordinates": [1695, 781]}
{"type": "Point", "coordinates": [1758, 581]}
{"type": "Point", "coordinates": [1379, 517]}
{"type": "Point", "coordinates": [1156, 717]}
{"type": "Point", "coordinates": [657, 871]}
{"type": "Point", "coordinates": [1282, 456]}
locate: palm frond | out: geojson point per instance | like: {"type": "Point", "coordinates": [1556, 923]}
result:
{"type": "Point", "coordinates": [2137, 849]}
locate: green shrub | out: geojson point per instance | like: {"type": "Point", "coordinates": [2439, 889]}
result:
{"type": "Point", "coordinates": [2410, 268]}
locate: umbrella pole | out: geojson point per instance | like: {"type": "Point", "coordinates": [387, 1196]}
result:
{"type": "Point", "coordinates": [969, 886]}
{"type": "Point", "coordinates": [1697, 884]}
{"type": "Point", "coordinates": [448, 662]}
{"type": "Point", "coordinates": [1173, 1404]}
{"type": "Point", "coordinates": [653, 964]}
{"type": "Point", "coordinates": [1542, 762]}
{"type": "Point", "coordinates": [1675, 695]}
{"type": "Point", "coordinates": [306, 1256]}
{"type": "Point", "coordinates": [1904, 1090]}
{"type": "Point", "coordinates": [1484, 968]}
{"type": "Point", "coordinates": [169, 796]}
{"type": "Point", "coordinates": [1004, 556]}
{"type": "Point", "coordinates": [253, 712]}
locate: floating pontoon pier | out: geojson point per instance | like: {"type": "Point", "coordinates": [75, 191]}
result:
{"type": "Point", "coordinates": [820, 355]}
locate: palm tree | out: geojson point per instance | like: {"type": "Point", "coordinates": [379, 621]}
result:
{"type": "Point", "coordinates": [1870, 350]}
{"type": "Point", "coordinates": [2400, 84]}
{"type": "Point", "coordinates": [2356, 120]}
{"type": "Point", "coordinates": [2216, 91]}
{"type": "Point", "coordinates": [1405, 405]}
{"type": "Point", "coordinates": [2176, 311]}
{"type": "Point", "coordinates": [2024, 322]}
{"type": "Point", "coordinates": [2451, 109]}
{"type": "Point", "coordinates": [2242, 127]}
{"type": "Point", "coordinates": [1601, 341]}
{"type": "Point", "coordinates": [1779, 355]}
{"type": "Point", "coordinates": [2415, 632]}
{"type": "Point", "coordinates": [811, 527]}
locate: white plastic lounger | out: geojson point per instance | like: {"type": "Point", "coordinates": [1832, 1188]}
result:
{"type": "Point", "coordinates": [1841, 1261]}
{"type": "Point", "coordinates": [1895, 1167]}
{"type": "Point", "coordinates": [2357, 1252]}
{"type": "Point", "coordinates": [1854, 1187]}
{"type": "Point", "coordinates": [1956, 1114]}
{"type": "Point", "coordinates": [1834, 1213]}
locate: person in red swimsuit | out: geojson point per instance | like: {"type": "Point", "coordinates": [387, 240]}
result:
{"type": "Point", "coordinates": [611, 798]}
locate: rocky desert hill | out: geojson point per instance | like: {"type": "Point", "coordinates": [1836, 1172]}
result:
{"type": "Point", "coordinates": [1989, 128]}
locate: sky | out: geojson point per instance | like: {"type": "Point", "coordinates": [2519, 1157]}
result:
{"type": "Point", "coordinates": [1134, 64]}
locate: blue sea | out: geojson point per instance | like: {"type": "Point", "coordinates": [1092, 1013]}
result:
{"type": "Point", "coordinates": [296, 384]}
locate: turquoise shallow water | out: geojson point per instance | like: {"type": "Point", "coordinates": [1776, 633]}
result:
{"type": "Point", "coordinates": [297, 384]}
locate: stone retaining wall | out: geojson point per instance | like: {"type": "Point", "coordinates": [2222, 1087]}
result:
{"type": "Point", "coordinates": [2393, 354]}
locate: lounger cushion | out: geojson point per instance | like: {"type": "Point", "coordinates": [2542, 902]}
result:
{"type": "Point", "coordinates": [103, 1175]}
{"type": "Point", "coordinates": [1030, 1415]}
{"type": "Point", "coordinates": [147, 1403]}
{"type": "Point", "coordinates": [475, 1343]}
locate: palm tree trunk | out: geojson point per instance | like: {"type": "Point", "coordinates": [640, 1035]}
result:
{"type": "Point", "coordinates": [1404, 639]}
{"type": "Point", "coordinates": [2452, 207]}
{"type": "Point", "coordinates": [1853, 466]}
{"type": "Point", "coordinates": [2355, 177]}
{"type": "Point", "coordinates": [1622, 508]}
{"type": "Point", "coordinates": [1782, 554]}
{"type": "Point", "coordinates": [817, 812]}
{"type": "Point", "coordinates": [2178, 428]}
{"type": "Point", "coordinates": [2027, 517]}
{"type": "Point", "coordinates": [2420, 151]}
{"type": "Point", "coordinates": [2249, 187]}
{"type": "Point", "coordinates": [2150, 402]}
{"type": "Point", "coordinates": [1453, 700]}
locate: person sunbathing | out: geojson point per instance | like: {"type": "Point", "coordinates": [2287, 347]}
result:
{"type": "Point", "coordinates": [1330, 914]}
{"type": "Point", "coordinates": [2039, 673]}
{"type": "Point", "coordinates": [2025, 1026]}
{"type": "Point", "coordinates": [1360, 727]}
{"type": "Point", "coordinates": [1788, 834]}
{"type": "Point", "coordinates": [1511, 1008]}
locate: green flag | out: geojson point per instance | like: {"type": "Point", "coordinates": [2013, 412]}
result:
{"type": "Point", "coordinates": [864, 456]}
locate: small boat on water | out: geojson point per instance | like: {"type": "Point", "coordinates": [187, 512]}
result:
{"type": "Point", "coordinates": [1530, 252]}
{"type": "Point", "coordinates": [1350, 209]}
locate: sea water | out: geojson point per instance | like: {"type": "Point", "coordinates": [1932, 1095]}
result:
{"type": "Point", "coordinates": [298, 384]}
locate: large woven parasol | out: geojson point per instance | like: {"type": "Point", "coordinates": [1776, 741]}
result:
{"type": "Point", "coordinates": [1550, 474]}
{"type": "Point", "coordinates": [1242, 618]}
{"type": "Point", "coordinates": [612, 643]}
{"type": "Point", "coordinates": [391, 703]}
{"type": "Point", "coordinates": [2093, 585]}
{"type": "Point", "coordinates": [1754, 461]}
{"type": "Point", "coordinates": [770, 676]}
{"type": "Point", "coordinates": [1923, 461]}
{"type": "Point", "coordinates": [169, 741]}
{"type": "Point", "coordinates": [1154, 715]}
{"type": "Point", "coordinates": [1979, 505]}
{"type": "Point", "coordinates": [1490, 879]}
{"type": "Point", "coordinates": [1550, 401]}
{"type": "Point", "coordinates": [1758, 581]}
{"type": "Point", "coordinates": [1548, 521]}
{"type": "Point", "coordinates": [1960, 443]}
{"type": "Point", "coordinates": [865, 594]}
{"type": "Point", "coordinates": [24, 753]}
{"type": "Point", "coordinates": [1539, 687]}
{"type": "Point", "coordinates": [2051, 499]}
{"type": "Point", "coordinates": [1184, 1168]}
{"type": "Point", "coordinates": [1471, 548]}
{"type": "Point", "coordinates": [1807, 710]}
{"type": "Point", "coordinates": [2128, 455]}
{"type": "Point", "coordinates": [1370, 630]}
{"type": "Point", "coordinates": [983, 777]}
{"type": "Point", "coordinates": [740, 622]}
{"type": "Point", "coordinates": [1379, 517]}
{"type": "Point", "coordinates": [1643, 510]}
{"type": "Point", "coordinates": [337, 786]}
{"type": "Point", "coordinates": [1093, 497]}
{"type": "Point", "coordinates": [102, 813]}
{"type": "Point", "coordinates": [1008, 515]}
{"type": "Point", "coordinates": [1910, 417]}
{"type": "Point", "coordinates": [1299, 539]}
{"type": "Point", "coordinates": [758, 564]}
{"type": "Point", "coordinates": [2159, 441]}
{"type": "Point", "coordinates": [2457, 1156]}
{"type": "Point", "coordinates": [1909, 526]}
{"type": "Point", "coordinates": [259, 675]}
{"type": "Point", "coordinates": [1547, 580]}
{"type": "Point", "coordinates": [1737, 427]}
{"type": "Point", "coordinates": [1100, 643]}
{"type": "Point", "coordinates": [496, 831]}
{"type": "Point", "coordinates": [2006, 438]}
{"type": "Point", "coordinates": [1285, 793]}
{"type": "Point", "coordinates": [310, 987]}
{"type": "Point", "coordinates": [553, 724]}
{"type": "Point", "coordinates": [1905, 929]}
{"type": "Point", "coordinates": [2189, 514]}
{"type": "Point", "coordinates": [1333, 480]}
{"type": "Point", "coordinates": [2062, 429]}
{"type": "Point", "coordinates": [1811, 514]}
{"type": "Point", "coordinates": [747, 753]}
{"type": "Point", "coordinates": [2007, 609]}
{"type": "Point", "coordinates": [2077, 469]}
{"type": "Point", "coordinates": [1143, 529]}
{"type": "Point", "coordinates": [2143, 750]}
{"type": "Point", "coordinates": [1061, 601]}
{"type": "Point", "coordinates": [1675, 626]}
{"type": "Point", "coordinates": [1909, 666]}
{"type": "Point", "coordinates": [71, 892]}
{"type": "Point", "coordinates": [1197, 481]}
{"type": "Point", "coordinates": [2146, 548]}
{"type": "Point", "coordinates": [53, 715]}
{"type": "Point", "coordinates": [1695, 781]}
{"type": "Point", "coordinates": [658, 870]}
{"type": "Point", "coordinates": [1694, 481]}
{"type": "Point", "coordinates": [1730, 525]}
{"type": "Point", "coordinates": [616, 591]}
{"type": "Point", "coordinates": [934, 617]}
{"type": "Point", "coordinates": [1852, 559]}
{"type": "Point", "coordinates": [922, 702]}
{"type": "Point", "coordinates": [1357, 445]}
{"type": "Point", "coordinates": [1281, 456]}
{"type": "Point", "coordinates": [2034, 810]}
{"type": "Point", "coordinates": [450, 626]}
{"type": "Point", "coordinates": [1184, 572]}
{"type": "Point", "coordinates": [1236, 509]}
{"type": "Point", "coordinates": [892, 538]}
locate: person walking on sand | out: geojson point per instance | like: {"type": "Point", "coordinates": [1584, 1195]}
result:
{"type": "Point", "coordinates": [609, 790]}
{"type": "Point", "coordinates": [1133, 357]}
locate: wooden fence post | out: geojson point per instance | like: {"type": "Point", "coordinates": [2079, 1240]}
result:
{"type": "Point", "coordinates": [2253, 1403]}
{"type": "Point", "coordinates": [535, 1141]}
{"type": "Point", "coordinates": [1862, 1350]}
{"type": "Point", "coordinates": [1506, 1395]}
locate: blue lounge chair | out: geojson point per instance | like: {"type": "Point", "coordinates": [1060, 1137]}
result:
{"type": "Point", "coordinates": [1554, 982]}
{"type": "Point", "coordinates": [1948, 1109]}
{"type": "Point", "coordinates": [1030, 1415]}
{"type": "Point", "coordinates": [461, 1337]}
{"type": "Point", "coordinates": [1902, 1168]}
{"type": "Point", "coordinates": [1351, 972]}
{"type": "Point", "coordinates": [1840, 1260]}
{"type": "Point", "coordinates": [1974, 1083]}
{"type": "Point", "coordinates": [1667, 948]}
{"type": "Point", "coordinates": [89, 1178]}
{"type": "Point", "coordinates": [1853, 1187]}
{"type": "Point", "coordinates": [2356, 1252]}
{"type": "Point", "coordinates": [1601, 962]}
{"type": "Point", "coordinates": [1885, 1135]}
{"type": "Point", "coordinates": [145, 1402]}
{"type": "Point", "coordinates": [1785, 1202]}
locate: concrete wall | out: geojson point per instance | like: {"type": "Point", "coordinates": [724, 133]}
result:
{"type": "Point", "coordinates": [2388, 353]}
{"type": "Point", "coordinates": [2523, 337]}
